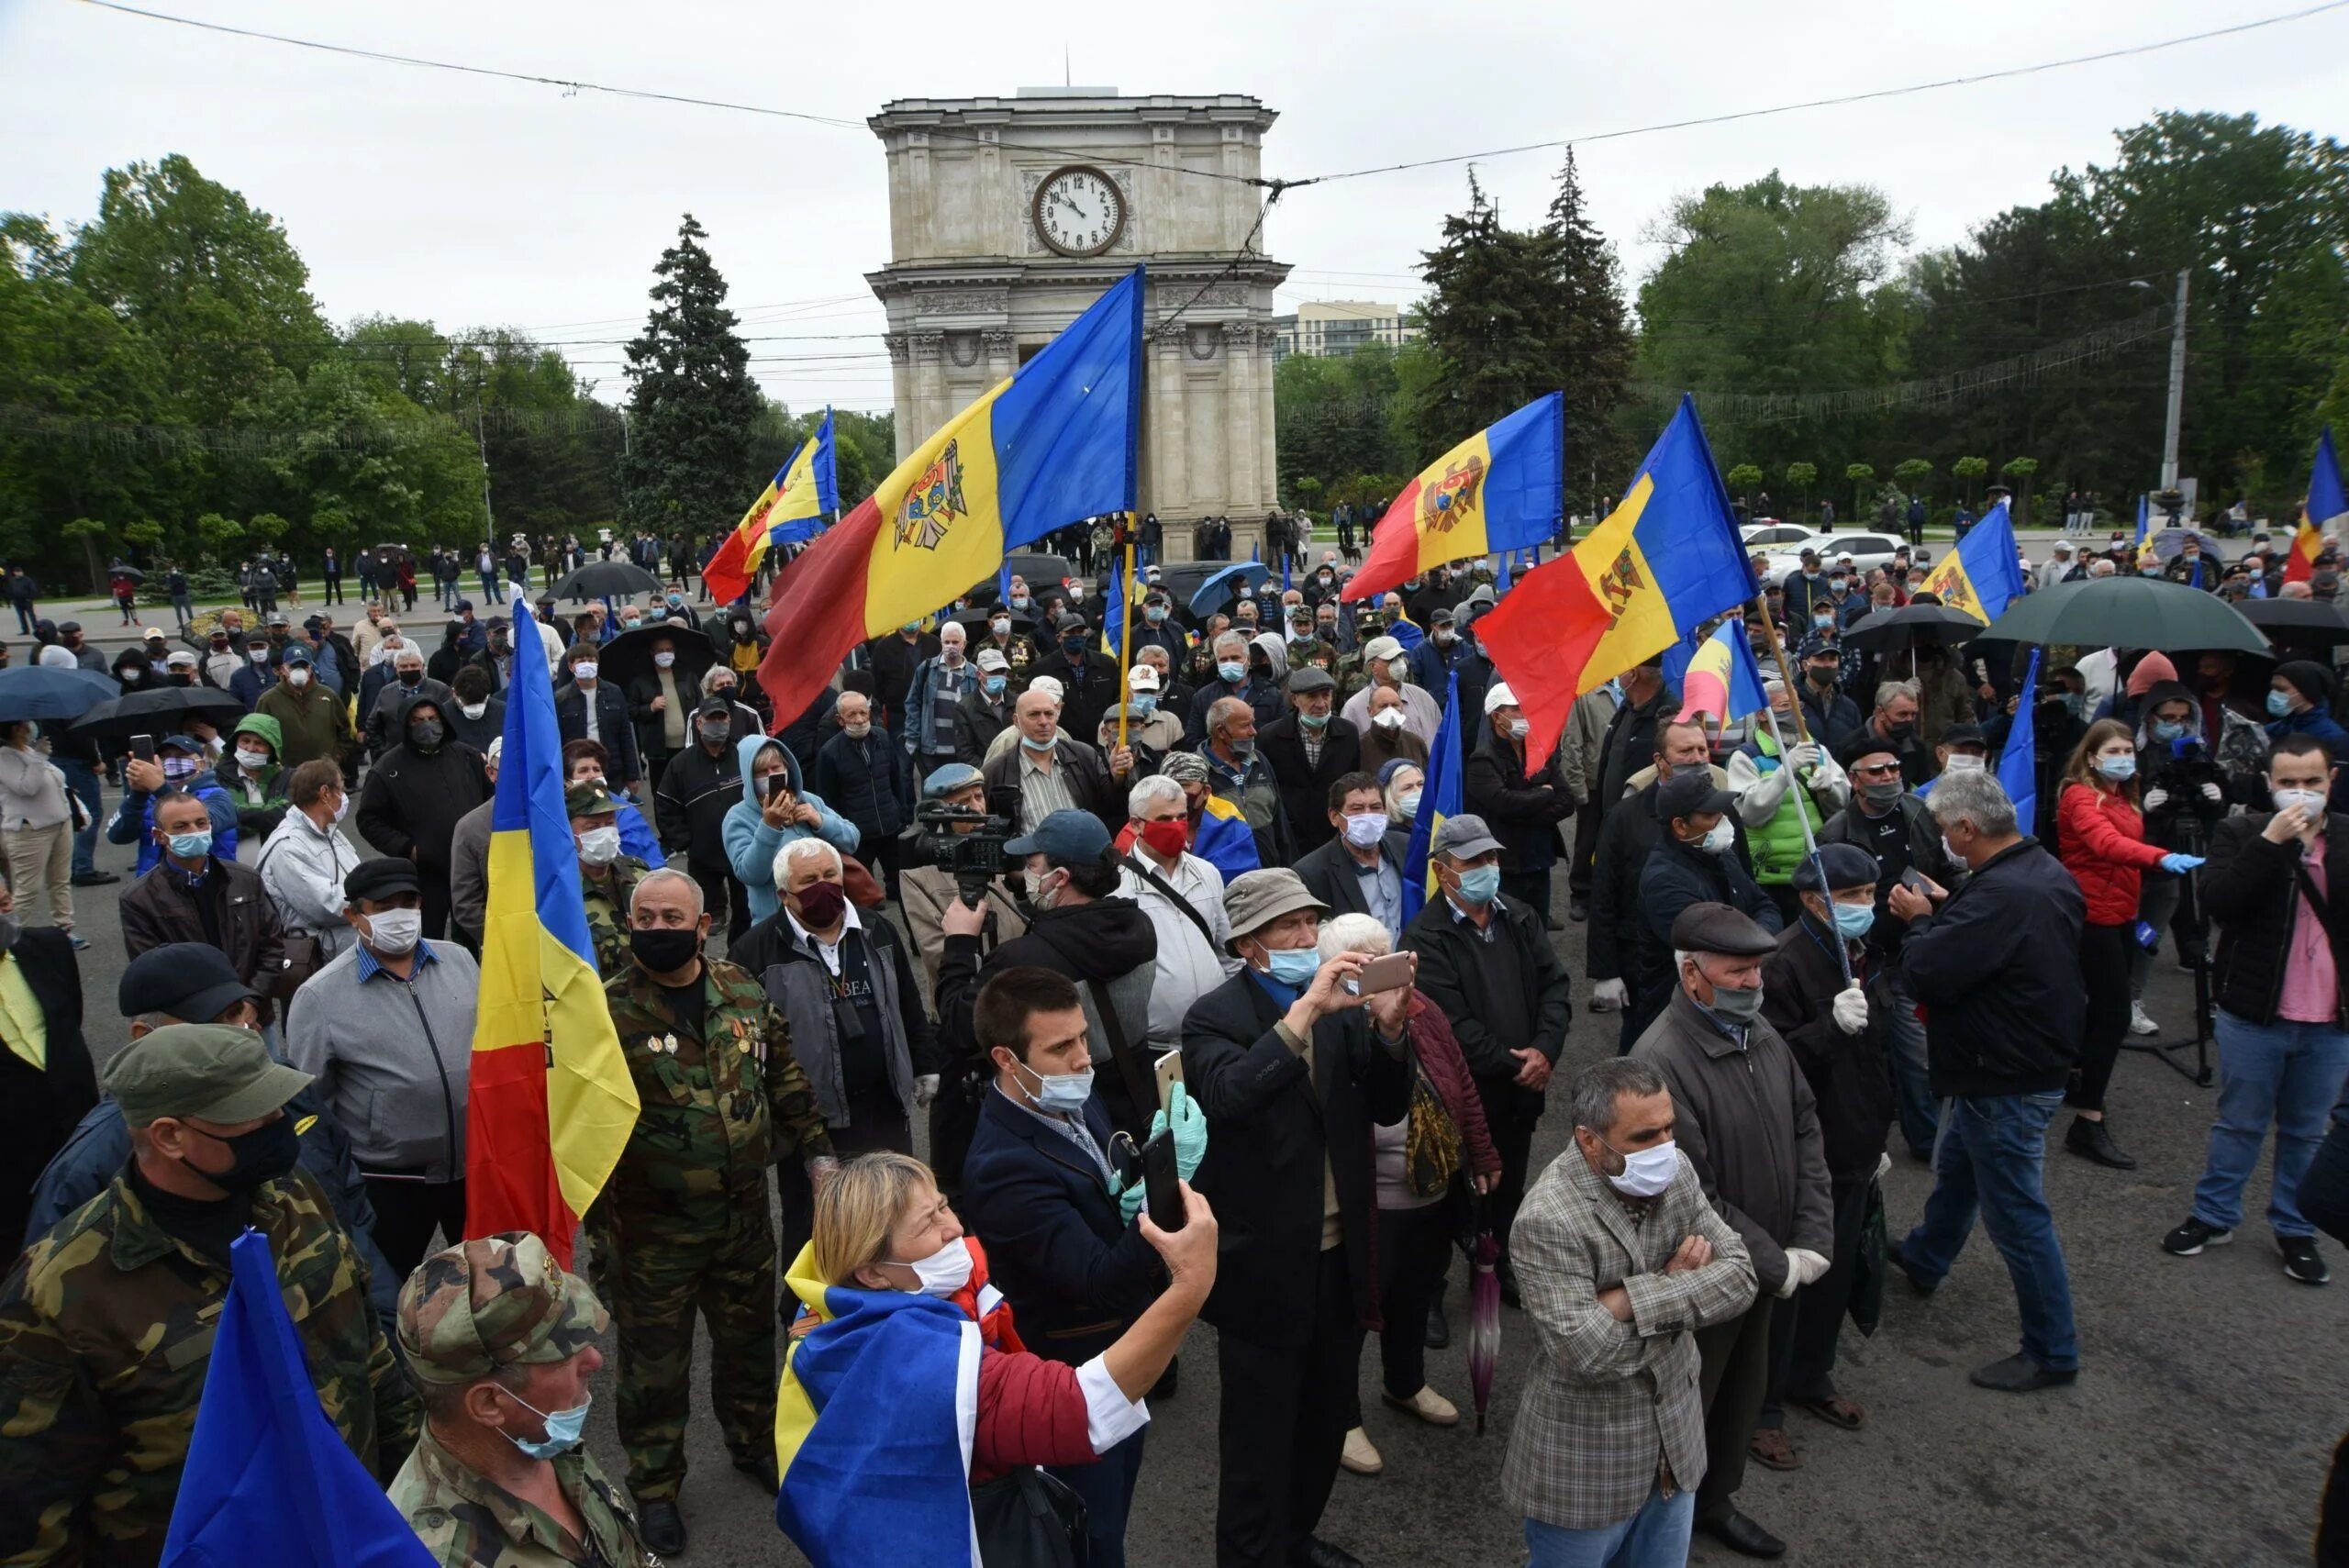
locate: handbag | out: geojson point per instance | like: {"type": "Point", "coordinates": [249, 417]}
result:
{"type": "Point", "coordinates": [302, 961]}
{"type": "Point", "coordinates": [1432, 1153]}
{"type": "Point", "coordinates": [1029, 1519]}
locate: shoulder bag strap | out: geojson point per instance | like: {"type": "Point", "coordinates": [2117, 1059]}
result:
{"type": "Point", "coordinates": [1129, 1068]}
{"type": "Point", "coordinates": [1179, 902]}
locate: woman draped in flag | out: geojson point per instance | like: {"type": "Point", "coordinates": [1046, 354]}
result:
{"type": "Point", "coordinates": [911, 1418]}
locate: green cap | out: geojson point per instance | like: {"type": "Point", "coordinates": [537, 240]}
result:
{"type": "Point", "coordinates": [499, 1301]}
{"type": "Point", "coordinates": [215, 1071]}
{"type": "Point", "coordinates": [588, 797]}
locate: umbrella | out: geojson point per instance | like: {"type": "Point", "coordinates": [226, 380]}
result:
{"type": "Point", "coordinates": [1240, 577]}
{"type": "Point", "coordinates": [130, 571]}
{"type": "Point", "coordinates": [2128, 612]}
{"type": "Point", "coordinates": [630, 654]}
{"type": "Point", "coordinates": [1484, 1320]}
{"type": "Point", "coordinates": [606, 580]}
{"type": "Point", "coordinates": [33, 692]}
{"type": "Point", "coordinates": [2168, 542]}
{"type": "Point", "coordinates": [2305, 623]}
{"type": "Point", "coordinates": [1911, 626]}
{"type": "Point", "coordinates": [395, 555]}
{"type": "Point", "coordinates": [156, 712]}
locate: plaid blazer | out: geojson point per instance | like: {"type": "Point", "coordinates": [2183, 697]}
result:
{"type": "Point", "coordinates": [1606, 1400]}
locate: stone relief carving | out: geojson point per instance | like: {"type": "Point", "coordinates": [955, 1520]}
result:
{"type": "Point", "coordinates": [978, 302]}
{"type": "Point", "coordinates": [895, 343]}
{"type": "Point", "coordinates": [963, 348]}
{"type": "Point", "coordinates": [929, 347]}
{"type": "Point", "coordinates": [998, 342]}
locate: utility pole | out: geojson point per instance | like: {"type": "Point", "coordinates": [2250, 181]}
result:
{"type": "Point", "coordinates": [480, 438]}
{"type": "Point", "coordinates": [2176, 385]}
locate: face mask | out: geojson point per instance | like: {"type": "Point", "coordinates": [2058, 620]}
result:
{"type": "Point", "coordinates": [1408, 801]}
{"type": "Point", "coordinates": [565, 1428]}
{"type": "Point", "coordinates": [1853, 921]}
{"type": "Point", "coordinates": [1046, 744]}
{"type": "Point", "coordinates": [1019, 602]}
{"type": "Point", "coordinates": [1480, 885]}
{"type": "Point", "coordinates": [1061, 1091]}
{"type": "Point", "coordinates": [1647, 1171]}
{"type": "Point", "coordinates": [822, 905]}
{"type": "Point", "coordinates": [425, 734]}
{"type": "Point", "coordinates": [1292, 966]}
{"type": "Point", "coordinates": [1366, 828]}
{"type": "Point", "coordinates": [343, 808]}
{"type": "Point", "coordinates": [411, 677]}
{"type": "Point", "coordinates": [1519, 728]}
{"type": "Point", "coordinates": [944, 1271]}
{"type": "Point", "coordinates": [219, 645]}
{"type": "Point", "coordinates": [177, 768]}
{"type": "Point", "coordinates": [473, 709]}
{"type": "Point", "coordinates": [1737, 1007]}
{"type": "Point", "coordinates": [1965, 763]}
{"type": "Point", "coordinates": [1824, 620]}
{"type": "Point", "coordinates": [252, 762]}
{"type": "Point", "coordinates": [1898, 732]}
{"type": "Point", "coordinates": [713, 733]}
{"type": "Point", "coordinates": [857, 731]}
{"type": "Point", "coordinates": [1074, 647]}
{"type": "Point", "coordinates": [599, 846]}
{"type": "Point", "coordinates": [258, 655]}
{"type": "Point", "coordinates": [993, 684]}
{"type": "Point", "coordinates": [1718, 840]}
{"type": "Point", "coordinates": [1231, 672]}
{"type": "Point", "coordinates": [952, 656]}
{"type": "Point", "coordinates": [1444, 636]}
{"type": "Point", "coordinates": [2279, 704]}
{"type": "Point", "coordinates": [265, 1154]}
{"type": "Point", "coordinates": [1167, 840]}
{"type": "Point", "coordinates": [127, 677]}
{"type": "Point", "coordinates": [663, 661]}
{"type": "Point", "coordinates": [662, 949]}
{"type": "Point", "coordinates": [583, 670]}
{"type": "Point", "coordinates": [1313, 720]}
{"type": "Point", "coordinates": [396, 931]}
{"type": "Point", "coordinates": [1400, 669]}
{"type": "Point", "coordinates": [1882, 792]}
{"type": "Point", "coordinates": [2117, 768]}
{"type": "Point", "coordinates": [190, 846]}
{"type": "Point", "coordinates": [1000, 628]}
{"type": "Point", "coordinates": [1144, 704]}
{"type": "Point", "coordinates": [1389, 719]}
{"type": "Point", "coordinates": [2314, 799]}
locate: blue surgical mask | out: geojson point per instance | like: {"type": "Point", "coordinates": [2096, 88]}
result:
{"type": "Point", "coordinates": [993, 684]}
{"type": "Point", "coordinates": [191, 846]}
{"type": "Point", "coordinates": [2164, 729]}
{"type": "Point", "coordinates": [1144, 703]}
{"type": "Point", "coordinates": [2280, 704]}
{"type": "Point", "coordinates": [1230, 673]}
{"type": "Point", "coordinates": [2117, 769]}
{"type": "Point", "coordinates": [565, 1428]}
{"type": "Point", "coordinates": [1060, 1091]}
{"type": "Point", "coordinates": [1480, 885]}
{"type": "Point", "coordinates": [1853, 921]}
{"type": "Point", "coordinates": [1155, 615]}
{"type": "Point", "coordinates": [1294, 966]}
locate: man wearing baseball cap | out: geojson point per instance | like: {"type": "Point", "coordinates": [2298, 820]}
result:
{"type": "Point", "coordinates": [107, 1325]}
{"type": "Point", "coordinates": [502, 1341]}
{"type": "Point", "coordinates": [1695, 862]}
{"type": "Point", "coordinates": [1383, 662]}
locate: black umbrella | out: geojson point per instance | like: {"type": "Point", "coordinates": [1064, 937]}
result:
{"type": "Point", "coordinates": [33, 691]}
{"type": "Point", "coordinates": [2128, 612]}
{"type": "Point", "coordinates": [130, 571]}
{"type": "Point", "coordinates": [2306, 623]}
{"type": "Point", "coordinates": [1911, 626]}
{"type": "Point", "coordinates": [630, 654]}
{"type": "Point", "coordinates": [606, 580]}
{"type": "Point", "coordinates": [158, 712]}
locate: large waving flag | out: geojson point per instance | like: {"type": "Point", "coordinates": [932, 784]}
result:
{"type": "Point", "coordinates": [1981, 575]}
{"type": "Point", "coordinates": [2327, 503]}
{"type": "Point", "coordinates": [1439, 796]}
{"type": "Point", "coordinates": [803, 493]}
{"type": "Point", "coordinates": [2018, 764]}
{"type": "Point", "coordinates": [1502, 488]}
{"type": "Point", "coordinates": [268, 1477]}
{"type": "Point", "coordinates": [874, 1427]}
{"type": "Point", "coordinates": [1053, 445]}
{"type": "Point", "coordinates": [1715, 674]}
{"type": "Point", "coordinates": [551, 1103]}
{"type": "Point", "coordinates": [1667, 559]}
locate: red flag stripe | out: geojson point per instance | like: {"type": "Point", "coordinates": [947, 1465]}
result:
{"type": "Point", "coordinates": [1393, 550]}
{"type": "Point", "coordinates": [510, 1180]}
{"type": "Point", "coordinates": [818, 612]}
{"type": "Point", "coordinates": [1542, 635]}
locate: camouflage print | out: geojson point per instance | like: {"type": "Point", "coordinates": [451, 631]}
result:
{"type": "Point", "coordinates": [684, 1220]}
{"type": "Point", "coordinates": [105, 1334]}
{"type": "Point", "coordinates": [468, 1521]}
{"type": "Point", "coordinates": [606, 898]}
{"type": "Point", "coordinates": [495, 1301]}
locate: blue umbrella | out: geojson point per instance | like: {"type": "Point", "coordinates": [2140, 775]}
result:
{"type": "Point", "coordinates": [33, 691]}
{"type": "Point", "coordinates": [1244, 577]}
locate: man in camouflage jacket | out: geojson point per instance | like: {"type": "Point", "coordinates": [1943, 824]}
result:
{"type": "Point", "coordinates": [106, 1323]}
{"type": "Point", "coordinates": [684, 1222]}
{"type": "Point", "coordinates": [607, 878]}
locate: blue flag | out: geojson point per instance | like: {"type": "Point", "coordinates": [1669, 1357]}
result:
{"type": "Point", "coordinates": [2018, 768]}
{"type": "Point", "coordinates": [2327, 499]}
{"type": "Point", "coordinates": [1113, 616]}
{"type": "Point", "coordinates": [1440, 797]}
{"type": "Point", "coordinates": [1982, 574]}
{"type": "Point", "coordinates": [268, 1478]}
{"type": "Point", "coordinates": [2145, 518]}
{"type": "Point", "coordinates": [1003, 584]}
{"type": "Point", "coordinates": [1501, 578]}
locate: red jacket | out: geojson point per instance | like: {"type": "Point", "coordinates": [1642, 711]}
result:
{"type": "Point", "coordinates": [1030, 1410]}
{"type": "Point", "coordinates": [2105, 850]}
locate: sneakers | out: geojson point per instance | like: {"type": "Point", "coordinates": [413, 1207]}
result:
{"type": "Point", "coordinates": [2189, 1240]}
{"type": "Point", "coordinates": [2303, 1262]}
{"type": "Point", "coordinates": [2138, 1022]}
{"type": "Point", "coordinates": [1427, 1404]}
{"type": "Point", "coordinates": [1359, 1456]}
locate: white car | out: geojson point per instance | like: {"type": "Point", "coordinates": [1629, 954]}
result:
{"type": "Point", "coordinates": [1768, 533]}
{"type": "Point", "coordinates": [1868, 551]}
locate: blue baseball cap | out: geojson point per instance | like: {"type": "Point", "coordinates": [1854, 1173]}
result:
{"type": "Point", "coordinates": [1069, 837]}
{"type": "Point", "coordinates": [946, 780]}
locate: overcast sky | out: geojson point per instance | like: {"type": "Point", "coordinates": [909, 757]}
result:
{"type": "Point", "coordinates": [468, 200]}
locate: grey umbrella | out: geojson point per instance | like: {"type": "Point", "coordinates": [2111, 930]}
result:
{"type": "Point", "coordinates": [2128, 612]}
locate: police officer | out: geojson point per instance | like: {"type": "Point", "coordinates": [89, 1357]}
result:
{"type": "Point", "coordinates": [606, 877]}
{"type": "Point", "coordinates": [502, 1342]}
{"type": "Point", "coordinates": [684, 1221]}
{"type": "Point", "coordinates": [106, 1324]}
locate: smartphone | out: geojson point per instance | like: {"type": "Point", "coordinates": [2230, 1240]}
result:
{"type": "Point", "coordinates": [778, 782]}
{"type": "Point", "coordinates": [1388, 974]}
{"type": "Point", "coordinates": [1169, 1068]}
{"type": "Point", "coordinates": [1914, 881]}
{"type": "Point", "coordinates": [1162, 1189]}
{"type": "Point", "coordinates": [143, 748]}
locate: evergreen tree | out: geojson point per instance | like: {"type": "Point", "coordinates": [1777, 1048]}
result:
{"type": "Point", "coordinates": [1593, 349]}
{"type": "Point", "coordinates": [692, 408]}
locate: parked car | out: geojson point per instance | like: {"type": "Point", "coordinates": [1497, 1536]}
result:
{"type": "Point", "coordinates": [1769, 533]}
{"type": "Point", "coordinates": [1868, 551]}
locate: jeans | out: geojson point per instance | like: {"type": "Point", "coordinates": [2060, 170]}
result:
{"type": "Point", "coordinates": [1656, 1537]}
{"type": "Point", "coordinates": [1108, 1487]}
{"type": "Point", "coordinates": [489, 587]}
{"type": "Point", "coordinates": [2284, 1073]}
{"type": "Point", "coordinates": [1911, 1091]}
{"type": "Point", "coordinates": [1989, 1158]}
{"type": "Point", "coordinates": [83, 779]}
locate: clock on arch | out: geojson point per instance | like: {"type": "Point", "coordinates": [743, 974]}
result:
{"type": "Point", "coordinates": [1079, 210]}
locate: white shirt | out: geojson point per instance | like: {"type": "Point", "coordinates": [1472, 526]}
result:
{"type": "Point", "coordinates": [829, 952]}
{"type": "Point", "coordinates": [589, 694]}
{"type": "Point", "coordinates": [1187, 967]}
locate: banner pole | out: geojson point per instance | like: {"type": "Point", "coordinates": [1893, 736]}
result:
{"type": "Point", "coordinates": [1785, 673]}
{"type": "Point", "coordinates": [1125, 635]}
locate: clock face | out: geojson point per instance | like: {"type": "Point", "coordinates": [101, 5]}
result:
{"type": "Point", "coordinates": [1079, 211]}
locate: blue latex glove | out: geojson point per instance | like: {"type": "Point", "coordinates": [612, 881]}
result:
{"type": "Point", "coordinates": [1190, 1125]}
{"type": "Point", "coordinates": [2178, 865]}
{"type": "Point", "coordinates": [1130, 1198]}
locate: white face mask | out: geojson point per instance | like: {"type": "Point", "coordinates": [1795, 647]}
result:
{"type": "Point", "coordinates": [1389, 719]}
{"type": "Point", "coordinates": [599, 846]}
{"type": "Point", "coordinates": [1719, 840]}
{"type": "Point", "coordinates": [473, 709]}
{"type": "Point", "coordinates": [395, 931]}
{"type": "Point", "coordinates": [583, 671]}
{"type": "Point", "coordinates": [1963, 763]}
{"type": "Point", "coordinates": [1647, 1171]}
{"type": "Point", "coordinates": [2313, 799]}
{"type": "Point", "coordinates": [1365, 828]}
{"type": "Point", "coordinates": [1410, 802]}
{"type": "Point", "coordinates": [297, 676]}
{"type": "Point", "coordinates": [662, 661]}
{"type": "Point", "coordinates": [252, 760]}
{"type": "Point", "coordinates": [944, 1271]}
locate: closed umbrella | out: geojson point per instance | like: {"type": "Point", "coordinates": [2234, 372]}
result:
{"type": "Point", "coordinates": [35, 691]}
{"type": "Point", "coordinates": [1483, 1317]}
{"type": "Point", "coordinates": [2128, 612]}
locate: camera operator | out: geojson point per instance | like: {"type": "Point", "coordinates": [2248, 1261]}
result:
{"type": "Point", "coordinates": [927, 888]}
{"type": "Point", "coordinates": [2185, 794]}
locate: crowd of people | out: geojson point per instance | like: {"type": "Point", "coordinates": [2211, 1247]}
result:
{"type": "Point", "coordinates": [1048, 915]}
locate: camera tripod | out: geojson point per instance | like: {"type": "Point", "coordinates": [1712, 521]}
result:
{"type": "Point", "coordinates": [2189, 917]}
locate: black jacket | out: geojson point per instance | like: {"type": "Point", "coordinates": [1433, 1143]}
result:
{"type": "Point", "coordinates": [1626, 835]}
{"type": "Point", "coordinates": [1996, 969]}
{"type": "Point", "coordinates": [1851, 1075]}
{"type": "Point", "coordinates": [413, 799]}
{"type": "Point", "coordinates": [978, 721]}
{"type": "Point", "coordinates": [39, 1106]}
{"type": "Point", "coordinates": [1058, 1247]}
{"type": "Point", "coordinates": [1083, 697]}
{"type": "Point", "coordinates": [1628, 746]}
{"type": "Point", "coordinates": [864, 781]}
{"type": "Point", "coordinates": [1455, 982]}
{"type": "Point", "coordinates": [1261, 696]}
{"type": "Point", "coordinates": [1676, 877]}
{"type": "Point", "coordinates": [1850, 826]}
{"type": "Point", "coordinates": [613, 726]}
{"type": "Point", "coordinates": [1263, 1175]}
{"type": "Point", "coordinates": [689, 809]}
{"type": "Point", "coordinates": [1523, 812]}
{"type": "Point", "coordinates": [1305, 788]}
{"type": "Point", "coordinates": [2250, 889]}
{"type": "Point", "coordinates": [1089, 782]}
{"type": "Point", "coordinates": [1328, 872]}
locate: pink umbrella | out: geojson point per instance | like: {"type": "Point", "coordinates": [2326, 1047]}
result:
{"type": "Point", "coordinates": [1484, 1321]}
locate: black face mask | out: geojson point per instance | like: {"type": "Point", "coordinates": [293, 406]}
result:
{"type": "Point", "coordinates": [424, 734]}
{"type": "Point", "coordinates": [665, 950]}
{"type": "Point", "coordinates": [265, 1154]}
{"type": "Point", "coordinates": [411, 677]}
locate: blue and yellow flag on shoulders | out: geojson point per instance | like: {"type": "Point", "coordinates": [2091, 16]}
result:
{"type": "Point", "coordinates": [1981, 575]}
{"type": "Point", "coordinates": [1224, 839]}
{"type": "Point", "coordinates": [1439, 796]}
{"type": "Point", "coordinates": [551, 1103]}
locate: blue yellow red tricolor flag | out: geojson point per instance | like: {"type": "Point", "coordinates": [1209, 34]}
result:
{"type": "Point", "coordinates": [1982, 575]}
{"type": "Point", "coordinates": [1502, 488]}
{"type": "Point", "coordinates": [1666, 560]}
{"type": "Point", "coordinates": [2326, 504]}
{"type": "Point", "coordinates": [551, 1103]}
{"type": "Point", "coordinates": [1439, 796]}
{"type": "Point", "coordinates": [1053, 445]}
{"type": "Point", "coordinates": [1715, 674]}
{"type": "Point", "coordinates": [803, 493]}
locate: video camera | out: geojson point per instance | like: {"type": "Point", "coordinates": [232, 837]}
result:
{"type": "Point", "coordinates": [976, 858]}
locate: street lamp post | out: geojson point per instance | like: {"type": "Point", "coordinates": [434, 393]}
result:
{"type": "Point", "coordinates": [2177, 410]}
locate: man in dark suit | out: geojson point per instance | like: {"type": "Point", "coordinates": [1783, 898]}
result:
{"type": "Point", "coordinates": [47, 1084]}
{"type": "Point", "coordinates": [1309, 748]}
{"type": "Point", "coordinates": [1043, 1192]}
{"type": "Point", "coordinates": [1296, 1072]}
{"type": "Point", "coordinates": [611, 724]}
{"type": "Point", "coordinates": [1360, 870]}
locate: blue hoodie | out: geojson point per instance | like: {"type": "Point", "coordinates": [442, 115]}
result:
{"type": "Point", "coordinates": [133, 821]}
{"type": "Point", "coordinates": [752, 845]}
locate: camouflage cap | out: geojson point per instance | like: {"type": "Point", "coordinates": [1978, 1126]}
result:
{"type": "Point", "coordinates": [216, 1072]}
{"type": "Point", "coordinates": [588, 797]}
{"type": "Point", "coordinates": [499, 1301]}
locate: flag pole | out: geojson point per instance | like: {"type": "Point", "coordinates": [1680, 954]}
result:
{"type": "Point", "coordinates": [1786, 674]}
{"type": "Point", "coordinates": [1809, 841]}
{"type": "Point", "coordinates": [1125, 635]}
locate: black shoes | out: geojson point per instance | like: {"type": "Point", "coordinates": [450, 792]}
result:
{"type": "Point", "coordinates": [1742, 1535]}
{"type": "Point", "coordinates": [1899, 1258]}
{"type": "Point", "coordinates": [2303, 1262]}
{"type": "Point", "coordinates": [1439, 1334]}
{"type": "Point", "coordinates": [95, 879]}
{"type": "Point", "coordinates": [661, 1527]}
{"type": "Point", "coordinates": [1578, 911]}
{"type": "Point", "coordinates": [1316, 1552]}
{"type": "Point", "coordinates": [2020, 1374]}
{"type": "Point", "coordinates": [2091, 1141]}
{"type": "Point", "coordinates": [2189, 1240]}
{"type": "Point", "coordinates": [763, 1472]}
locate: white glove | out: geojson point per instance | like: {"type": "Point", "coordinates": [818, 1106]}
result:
{"type": "Point", "coordinates": [1852, 1009]}
{"type": "Point", "coordinates": [2214, 795]}
{"type": "Point", "coordinates": [2154, 798]}
{"type": "Point", "coordinates": [1803, 1266]}
{"type": "Point", "coordinates": [1803, 757]}
{"type": "Point", "coordinates": [925, 1090]}
{"type": "Point", "coordinates": [1883, 1165]}
{"type": "Point", "coordinates": [1609, 995]}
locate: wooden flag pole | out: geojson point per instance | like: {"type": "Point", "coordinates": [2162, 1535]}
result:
{"type": "Point", "coordinates": [1125, 635]}
{"type": "Point", "coordinates": [1785, 673]}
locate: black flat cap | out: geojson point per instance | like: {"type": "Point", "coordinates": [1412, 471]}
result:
{"type": "Point", "coordinates": [1687, 793]}
{"type": "Point", "coordinates": [193, 982]}
{"type": "Point", "coordinates": [383, 877]}
{"type": "Point", "coordinates": [1717, 928]}
{"type": "Point", "coordinates": [1966, 733]}
{"type": "Point", "coordinates": [1848, 865]}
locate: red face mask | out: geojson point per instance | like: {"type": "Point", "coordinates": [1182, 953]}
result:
{"type": "Point", "coordinates": [1167, 839]}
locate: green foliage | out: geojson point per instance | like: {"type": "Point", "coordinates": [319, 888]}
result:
{"type": "Point", "coordinates": [1913, 472]}
{"type": "Point", "coordinates": [1744, 479]}
{"type": "Point", "coordinates": [1336, 417]}
{"type": "Point", "coordinates": [1802, 476]}
{"type": "Point", "coordinates": [692, 408]}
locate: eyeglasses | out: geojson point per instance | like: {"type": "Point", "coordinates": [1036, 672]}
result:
{"type": "Point", "coordinates": [1874, 770]}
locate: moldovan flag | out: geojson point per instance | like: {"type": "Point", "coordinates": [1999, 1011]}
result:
{"type": "Point", "coordinates": [1053, 445]}
{"type": "Point", "coordinates": [803, 493]}
{"type": "Point", "coordinates": [2325, 506]}
{"type": "Point", "coordinates": [1716, 677]}
{"type": "Point", "coordinates": [1439, 796]}
{"type": "Point", "coordinates": [551, 1103]}
{"type": "Point", "coordinates": [1501, 489]}
{"type": "Point", "coordinates": [1666, 560]}
{"type": "Point", "coordinates": [1981, 575]}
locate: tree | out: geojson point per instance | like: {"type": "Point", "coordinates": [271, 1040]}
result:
{"type": "Point", "coordinates": [692, 403]}
{"type": "Point", "coordinates": [1802, 476]}
{"type": "Point", "coordinates": [1859, 473]}
{"type": "Point", "coordinates": [2019, 470]}
{"type": "Point", "coordinates": [1970, 469]}
{"type": "Point", "coordinates": [1912, 472]}
{"type": "Point", "coordinates": [1593, 346]}
{"type": "Point", "coordinates": [1743, 480]}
